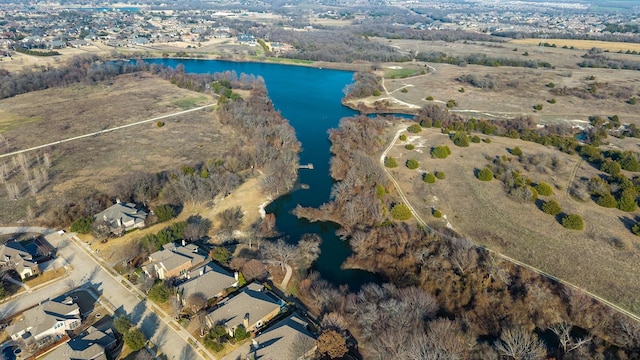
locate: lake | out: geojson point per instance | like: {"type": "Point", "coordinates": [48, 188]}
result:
{"type": "Point", "coordinates": [310, 99]}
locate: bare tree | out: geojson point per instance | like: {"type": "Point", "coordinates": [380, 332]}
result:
{"type": "Point", "coordinates": [567, 342]}
{"type": "Point", "coordinates": [13, 190]}
{"type": "Point", "coordinates": [24, 165]}
{"type": "Point", "coordinates": [176, 306]}
{"type": "Point", "coordinates": [254, 269]}
{"type": "Point", "coordinates": [463, 255]}
{"type": "Point", "coordinates": [301, 346]}
{"type": "Point", "coordinates": [335, 321]}
{"type": "Point", "coordinates": [197, 301]}
{"type": "Point", "coordinates": [520, 344]}
{"type": "Point", "coordinates": [46, 160]}
{"type": "Point", "coordinates": [280, 251]}
{"type": "Point", "coordinates": [4, 173]}
{"type": "Point", "coordinates": [202, 323]}
{"type": "Point", "coordinates": [309, 250]}
{"type": "Point", "coordinates": [231, 218]}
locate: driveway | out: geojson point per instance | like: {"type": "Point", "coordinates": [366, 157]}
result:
{"type": "Point", "coordinates": [88, 273]}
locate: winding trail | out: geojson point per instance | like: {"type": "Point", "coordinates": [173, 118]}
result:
{"type": "Point", "coordinates": [505, 257]}
{"type": "Point", "coordinates": [574, 171]}
{"type": "Point", "coordinates": [105, 131]}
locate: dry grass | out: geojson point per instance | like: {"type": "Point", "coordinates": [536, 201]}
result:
{"type": "Point", "coordinates": [46, 276]}
{"type": "Point", "coordinates": [581, 44]}
{"type": "Point", "coordinates": [483, 212]}
{"type": "Point", "coordinates": [99, 163]}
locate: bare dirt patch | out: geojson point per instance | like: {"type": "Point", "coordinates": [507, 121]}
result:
{"type": "Point", "coordinates": [482, 211]}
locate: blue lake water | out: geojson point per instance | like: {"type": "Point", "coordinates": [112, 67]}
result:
{"type": "Point", "coordinates": [310, 99]}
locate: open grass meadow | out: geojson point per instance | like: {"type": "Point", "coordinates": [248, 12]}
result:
{"type": "Point", "coordinates": [99, 163]}
{"type": "Point", "coordinates": [483, 212]}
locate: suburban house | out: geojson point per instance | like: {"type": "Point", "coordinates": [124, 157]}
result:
{"type": "Point", "coordinates": [48, 319]}
{"type": "Point", "coordinates": [289, 338]}
{"type": "Point", "coordinates": [173, 261]}
{"type": "Point", "coordinates": [92, 346]}
{"type": "Point", "coordinates": [13, 256]}
{"type": "Point", "coordinates": [252, 307]}
{"type": "Point", "coordinates": [121, 217]}
{"type": "Point", "coordinates": [210, 280]}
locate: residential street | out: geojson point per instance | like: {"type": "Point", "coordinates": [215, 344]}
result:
{"type": "Point", "coordinates": [87, 272]}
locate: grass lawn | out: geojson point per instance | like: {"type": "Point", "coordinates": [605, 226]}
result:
{"type": "Point", "coordinates": [46, 276]}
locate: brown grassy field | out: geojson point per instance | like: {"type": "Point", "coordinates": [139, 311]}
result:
{"type": "Point", "coordinates": [581, 44]}
{"type": "Point", "coordinates": [604, 258]}
{"type": "Point", "coordinates": [99, 163]}
{"type": "Point", "coordinates": [516, 90]}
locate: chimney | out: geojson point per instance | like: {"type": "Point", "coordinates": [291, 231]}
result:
{"type": "Point", "coordinates": [201, 271]}
{"type": "Point", "coordinates": [117, 201]}
{"type": "Point", "coordinates": [246, 321]}
{"type": "Point", "coordinates": [235, 275]}
{"type": "Point", "coordinates": [183, 242]}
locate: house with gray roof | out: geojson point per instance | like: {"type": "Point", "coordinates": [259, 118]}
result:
{"type": "Point", "coordinates": [173, 261]}
{"type": "Point", "coordinates": [51, 318]}
{"type": "Point", "coordinates": [210, 280]}
{"type": "Point", "coordinates": [288, 339]}
{"type": "Point", "coordinates": [252, 308]}
{"type": "Point", "coordinates": [92, 346]}
{"type": "Point", "coordinates": [121, 217]}
{"type": "Point", "coordinates": [14, 256]}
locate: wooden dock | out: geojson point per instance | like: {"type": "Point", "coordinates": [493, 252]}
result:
{"type": "Point", "coordinates": [308, 166]}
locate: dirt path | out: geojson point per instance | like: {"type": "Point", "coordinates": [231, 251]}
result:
{"type": "Point", "coordinates": [106, 130]}
{"type": "Point", "coordinates": [507, 258]}
{"type": "Point", "coordinates": [571, 177]}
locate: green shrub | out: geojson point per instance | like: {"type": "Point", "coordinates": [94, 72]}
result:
{"type": "Point", "coordinates": [632, 101]}
{"type": "Point", "coordinates": [437, 123]}
{"type": "Point", "coordinates": [485, 174]}
{"type": "Point", "coordinates": [412, 164]}
{"type": "Point", "coordinates": [451, 103]}
{"type": "Point", "coordinates": [390, 162]}
{"type": "Point", "coordinates": [516, 151]}
{"type": "Point", "coordinates": [551, 85]}
{"type": "Point", "coordinates": [82, 225]}
{"type": "Point", "coordinates": [429, 178]}
{"type": "Point", "coordinates": [544, 189]}
{"type": "Point", "coordinates": [461, 90]}
{"type": "Point", "coordinates": [440, 152]}
{"type": "Point", "coordinates": [551, 207]}
{"type": "Point", "coordinates": [475, 139]}
{"type": "Point", "coordinates": [135, 339]}
{"type": "Point", "coordinates": [573, 222]}
{"type": "Point", "coordinates": [552, 101]}
{"type": "Point", "coordinates": [404, 90]}
{"type": "Point", "coordinates": [164, 212]}
{"type": "Point", "coordinates": [538, 107]}
{"type": "Point", "coordinates": [460, 139]}
{"type": "Point", "coordinates": [415, 128]}
{"type": "Point", "coordinates": [429, 98]}
{"type": "Point", "coordinates": [241, 333]}
{"type": "Point", "coordinates": [440, 175]}
{"type": "Point", "coordinates": [160, 123]}
{"type": "Point", "coordinates": [426, 123]}
{"type": "Point", "coordinates": [122, 324]}
{"type": "Point", "coordinates": [409, 147]}
{"type": "Point", "coordinates": [437, 213]}
{"type": "Point", "coordinates": [403, 137]}
{"type": "Point", "coordinates": [487, 140]}
{"type": "Point", "coordinates": [159, 293]}
{"type": "Point", "coordinates": [401, 212]}
{"type": "Point", "coordinates": [607, 200]}
{"type": "Point", "coordinates": [636, 229]}
{"type": "Point", "coordinates": [627, 202]}
{"type": "Point", "coordinates": [376, 92]}
{"type": "Point", "coordinates": [611, 167]}
{"type": "Point", "coordinates": [220, 254]}
{"type": "Point", "coordinates": [630, 162]}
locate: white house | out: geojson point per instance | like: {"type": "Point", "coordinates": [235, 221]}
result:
{"type": "Point", "coordinates": [48, 319]}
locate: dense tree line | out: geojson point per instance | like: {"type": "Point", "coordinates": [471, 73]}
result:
{"type": "Point", "coordinates": [630, 38]}
{"type": "Point", "coordinates": [91, 69]}
{"type": "Point", "coordinates": [266, 138]}
{"type": "Point", "coordinates": [460, 301]}
{"type": "Point", "coordinates": [331, 45]}
{"type": "Point", "coordinates": [479, 59]}
{"type": "Point", "coordinates": [595, 58]}
{"type": "Point", "coordinates": [388, 31]}
{"type": "Point", "coordinates": [364, 84]}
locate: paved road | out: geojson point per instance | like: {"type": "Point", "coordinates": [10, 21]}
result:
{"type": "Point", "coordinates": [507, 258]}
{"type": "Point", "coordinates": [88, 272]}
{"type": "Point", "coordinates": [105, 131]}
